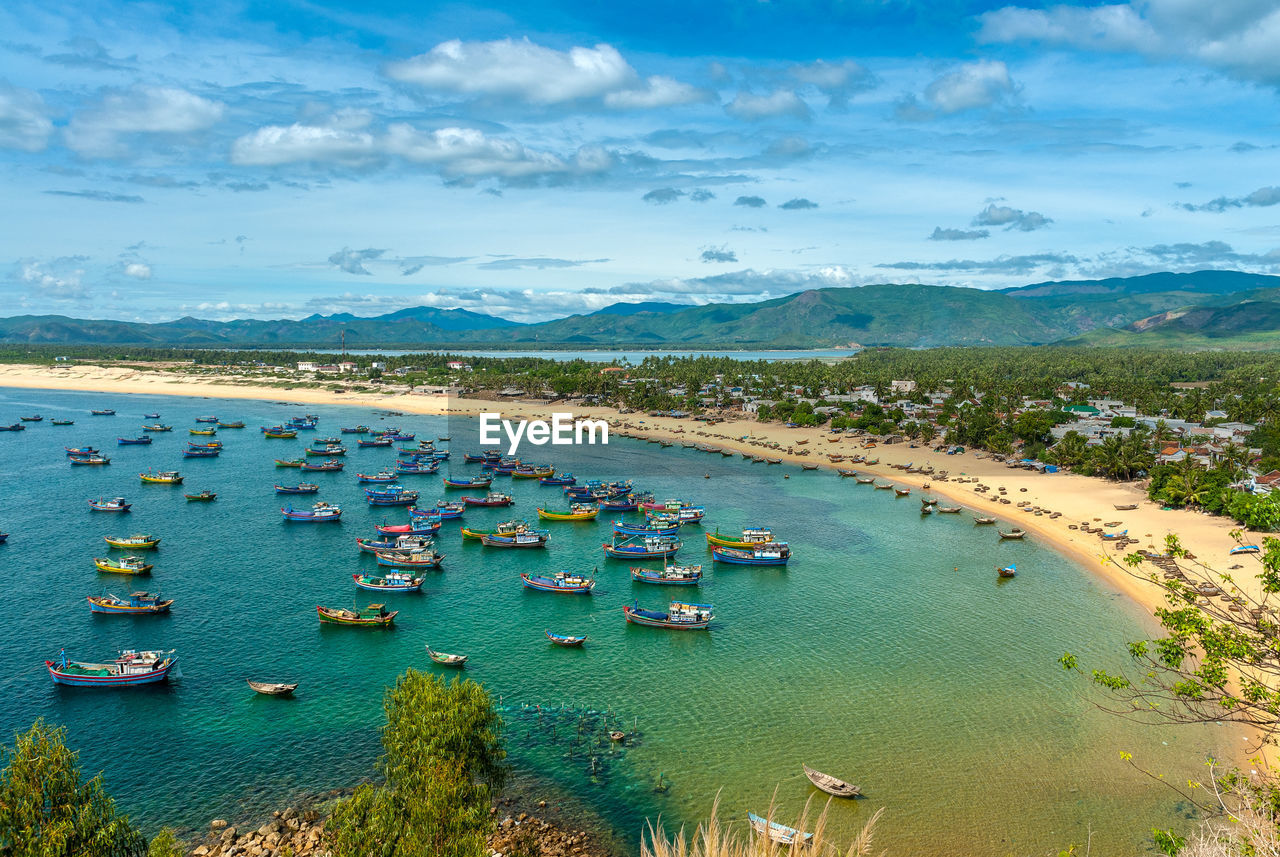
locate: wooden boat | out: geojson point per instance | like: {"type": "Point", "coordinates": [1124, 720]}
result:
{"type": "Point", "coordinates": [577, 512]}
{"type": "Point", "coordinates": [301, 488]}
{"type": "Point", "coordinates": [530, 471]}
{"type": "Point", "coordinates": [490, 499]}
{"type": "Point", "coordinates": [751, 536]}
{"type": "Point", "coordinates": [130, 668]}
{"type": "Point", "coordinates": [326, 452]}
{"type": "Point", "coordinates": [473, 482]}
{"type": "Point", "coordinates": [926, 510]}
{"type": "Point", "coordinates": [446, 660]}
{"type": "Point", "coordinates": [444, 439]}
{"type": "Point", "coordinates": [1111, 537]}
{"type": "Point", "coordinates": [949, 510]}
{"type": "Point", "coordinates": [830, 784]}
{"type": "Point", "coordinates": [845, 474]}
{"type": "Point", "coordinates": [356, 430]}
{"type": "Point", "coordinates": [773, 461]}
{"type": "Point", "coordinates": [779, 833]}
{"type": "Point", "coordinates": [505, 528]}
{"type": "Point", "coordinates": [201, 452]}
{"type": "Point", "coordinates": [566, 640]}
{"type": "Point", "coordinates": [151, 416]}
{"type": "Point", "coordinates": [882, 486]}
{"type": "Point", "coordinates": [231, 425]}
{"type": "Point", "coordinates": [133, 441]}
{"type": "Point", "coordinates": [290, 462]}
{"type": "Point", "coordinates": [561, 581]}
{"type": "Point", "coordinates": [137, 604]}
{"type": "Point", "coordinates": [1127, 507]}
{"type": "Point", "coordinates": [409, 559]}
{"type": "Point", "coordinates": [527, 539]}
{"type": "Point", "coordinates": [164, 477]}
{"type": "Point", "coordinates": [202, 496]}
{"type": "Point", "coordinates": [773, 553]}
{"type": "Point", "coordinates": [89, 459]}
{"type": "Point", "coordinates": [14, 427]}
{"type": "Point", "coordinates": [380, 476]}
{"type": "Point", "coordinates": [124, 565]}
{"type": "Point", "coordinates": [137, 542]}
{"type": "Point", "coordinates": [983, 521]}
{"type": "Point", "coordinates": [373, 616]}
{"type": "Point", "coordinates": [116, 504]}
{"type": "Point", "coordinates": [319, 513]}
{"type": "Point", "coordinates": [32, 419]}
{"type": "Point", "coordinates": [390, 495]}
{"type": "Point", "coordinates": [57, 422]}
{"type": "Point", "coordinates": [808, 467]}
{"type": "Point", "coordinates": [1007, 571]}
{"type": "Point", "coordinates": [203, 432]}
{"type": "Point", "coordinates": [392, 581]}
{"type": "Point", "coordinates": [668, 575]}
{"type": "Point", "coordinates": [1013, 534]}
{"type": "Point", "coordinates": [901, 492]}
{"type": "Point", "coordinates": [268, 688]}
{"type": "Point", "coordinates": [399, 543]}
{"type": "Point", "coordinates": [561, 479]}
{"type": "Point", "coordinates": [648, 528]}
{"type": "Point", "coordinates": [419, 527]}
{"type": "Point", "coordinates": [1244, 549]}
{"type": "Point", "coordinates": [279, 433]}
{"type": "Point", "coordinates": [376, 442]}
{"type": "Point", "coordinates": [206, 419]}
{"type": "Point", "coordinates": [327, 466]}
{"type": "Point", "coordinates": [680, 615]}
{"type": "Point", "coordinates": [650, 547]}
{"type": "Point", "coordinates": [413, 468]}
{"type": "Point", "coordinates": [104, 412]}
{"type": "Point", "coordinates": [866, 480]}
{"type": "Point", "coordinates": [156, 427]}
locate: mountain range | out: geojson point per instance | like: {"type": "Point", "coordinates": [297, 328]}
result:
{"type": "Point", "coordinates": [1200, 309]}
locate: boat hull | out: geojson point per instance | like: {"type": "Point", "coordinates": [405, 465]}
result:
{"type": "Point", "coordinates": [74, 680]}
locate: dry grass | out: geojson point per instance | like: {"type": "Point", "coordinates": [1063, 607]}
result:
{"type": "Point", "coordinates": [713, 839]}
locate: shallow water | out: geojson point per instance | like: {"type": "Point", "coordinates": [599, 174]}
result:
{"type": "Point", "coordinates": [886, 653]}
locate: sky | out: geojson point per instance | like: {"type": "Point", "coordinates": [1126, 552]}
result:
{"type": "Point", "coordinates": [539, 158]}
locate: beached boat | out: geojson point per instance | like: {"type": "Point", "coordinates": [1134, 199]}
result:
{"type": "Point", "coordinates": [58, 422]}
{"type": "Point", "coordinates": [201, 496]}
{"type": "Point", "coordinates": [679, 615]}
{"type": "Point", "coordinates": [901, 492]}
{"type": "Point", "coordinates": [268, 688]}
{"type": "Point", "coordinates": [124, 565]}
{"type": "Point", "coordinates": [668, 575]}
{"type": "Point", "coordinates": [948, 510]}
{"type": "Point", "coordinates": [301, 488]}
{"type": "Point", "coordinates": [376, 442]}
{"type": "Point", "coordinates": [137, 604]}
{"type": "Point", "coordinates": [133, 441]}
{"type": "Point", "coordinates": [831, 785]}
{"type": "Point", "coordinates": [1007, 570]}
{"type": "Point", "coordinates": [649, 547]}
{"type": "Point", "coordinates": [569, 642]}
{"type": "Point", "coordinates": [1126, 507]}
{"type": "Point", "coordinates": [390, 495]}
{"type": "Point", "coordinates": [89, 459]}
{"type": "Point", "coordinates": [116, 504]}
{"type": "Point", "coordinates": [1111, 537]}
{"type": "Point", "coordinates": [1244, 549]}
{"type": "Point", "coordinates": [561, 581]}
{"type": "Point", "coordinates": [380, 476]}
{"type": "Point", "coordinates": [1012, 534]}
{"type": "Point", "coordinates": [330, 466]}
{"type": "Point", "coordinates": [319, 513]}
{"type": "Point", "coordinates": [373, 616]}
{"type": "Point", "coordinates": [235, 424]}
{"type": "Point", "coordinates": [751, 536]}
{"type": "Point", "coordinates": [577, 512]}
{"type": "Point", "coordinates": [104, 412]}
{"type": "Point", "coordinates": [130, 668]}
{"type": "Point", "coordinates": [409, 559]}
{"type": "Point", "coordinates": [490, 499]}
{"type": "Point", "coordinates": [526, 539]}
{"type": "Point", "coordinates": [473, 482]}
{"type": "Point", "coordinates": [156, 427]}
{"type": "Point", "coordinates": [773, 553]}
{"type": "Point", "coordinates": [446, 660]}
{"type": "Point", "coordinates": [392, 581]}
{"type": "Point", "coordinates": [779, 833]}
{"type": "Point", "coordinates": [164, 477]}
{"type": "Point", "coordinates": [137, 542]}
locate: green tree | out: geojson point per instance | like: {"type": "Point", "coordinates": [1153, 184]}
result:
{"type": "Point", "coordinates": [442, 764]}
{"type": "Point", "coordinates": [47, 809]}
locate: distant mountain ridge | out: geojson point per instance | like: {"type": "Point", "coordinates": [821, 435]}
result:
{"type": "Point", "coordinates": [1213, 307]}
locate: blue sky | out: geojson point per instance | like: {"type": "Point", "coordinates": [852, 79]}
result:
{"type": "Point", "coordinates": [535, 159]}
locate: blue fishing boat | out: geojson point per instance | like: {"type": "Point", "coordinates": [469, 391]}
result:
{"type": "Point", "coordinates": [330, 466]}
{"type": "Point", "coordinates": [772, 553]}
{"type": "Point", "coordinates": [392, 581]}
{"type": "Point", "coordinates": [380, 441]}
{"type": "Point", "coordinates": [419, 527]}
{"type": "Point", "coordinates": [391, 495]}
{"type": "Point", "coordinates": [201, 452]}
{"type": "Point", "coordinates": [151, 416]}
{"type": "Point", "coordinates": [356, 430]}
{"type": "Point", "coordinates": [80, 451]}
{"type": "Point", "coordinates": [524, 539]}
{"type": "Point", "coordinates": [443, 509]}
{"type": "Point", "coordinates": [626, 503]}
{"type": "Point", "coordinates": [650, 547]}
{"type": "Point", "coordinates": [398, 543]}
{"type": "Point", "coordinates": [13, 427]}
{"type": "Point", "coordinates": [566, 640]}
{"type": "Point", "coordinates": [398, 435]}
{"type": "Point", "coordinates": [1007, 571]}
{"type": "Point", "coordinates": [380, 476]}
{"type": "Point", "coordinates": [4, 537]}
{"type": "Point", "coordinates": [680, 615]}
{"type": "Point", "coordinates": [561, 581]}
{"type": "Point", "coordinates": [129, 441]}
{"type": "Point", "coordinates": [506, 466]}
{"type": "Point", "coordinates": [116, 504]}
{"type": "Point", "coordinates": [137, 604]}
{"type": "Point", "coordinates": [317, 514]}
{"type": "Point", "coordinates": [1111, 537]}
{"type": "Point", "coordinates": [130, 668]}
{"type": "Point", "coordinates": [104, 412]}
{"type": "Point", "coordinates": [472, 482]}
{"type": "Point", "coordinates": [413, 469]}
{"type": "Point", "coordinates": [206, 419]}
{"type": "Point", "coordinates": [668, 575]}
{"type": "Point", "coordinates": [409, 559]}
{"type": "Point", "coordinates": [645, 529]}
{"type": "Point", "coordinates": [302, 488]}
{"type": "Point", "coordinates": [471, 458]}
{"type": "Point", "coordinates": [157, 427]}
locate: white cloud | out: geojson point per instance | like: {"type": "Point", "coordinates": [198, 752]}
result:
{"type": "Point", "coordinates": [56, 279]}
{"type": "Point", "coordinates": [657, 91]}
{"type": "Point", "coordinates": [971, 86]}
{"type": "Point", "coordinates": [23, 120]}
{"type": "Point", "coordinates": [468, 152]}
{"type": "Point", "coordinates": [138, 270]}
{"type": "Point", "coordinates": [277, 144]}
{"type": "Point", "coordinates": [97, 132]}
{"type": "Point", "coordinates": [780, 102]}
{"type": "Point", "coordinates": [1238, 37]}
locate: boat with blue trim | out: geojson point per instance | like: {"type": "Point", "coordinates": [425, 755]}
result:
{"type": "Point", "coordinates": [142, 440]}
{"type": "Point", "coordinates": [679, 615]}
{"type": "Point", "coordinates": [319, 513]}
{"type": "Point", "coordinates": [562, 581]}
{"type": "Point", "coordinates": [130, 668]}
{"type": "Point", "coordinates": [648, 528]}
{"type": "Point", "coordinates": [300, 488]}
{"type": "Point", "coordinates": [668, 575]}
{"type": "Point", "coordinates": [137, 604]}
{"type": "Point", "coordinates": [390, 495]}
{"type": "Point", "coordinates": [649, 547]}
{"type": "Point", "coordinates": [566, 640]}
{"type": "Point", "coordinates": [771, 553]}
{"type": "Point", "coordinates": [115, 504]}
{"type": "Point", "coordinates": [392, 581]}
{"type": "Point", "coordinates": [468, 482]}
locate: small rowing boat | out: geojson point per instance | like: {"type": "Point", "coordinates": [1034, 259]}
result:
{"type": "Point", "coordinates": [831, 785]}
{"type": "Point", "coordinates": [446, 660]}
{"type": "Point", "coordinates": [130, 668]}
{"type": "Point", "coordinates": [1012, 534]}
{"type": "Point", "coordinates": [561, 581]}
{"type": "Point", "coordinates": [779, 833]}
{"type": "Point", "coordinates": [124, 565]}
{"type": "Point", "coordinates": [566, 640]}
{"type": "Point", "coordinates": [1007, 570]}
{"type": "Point", "coordinates": [268, 688]}
{"type": "Point", "coordinates": [373, 616]}
{"type": "Point", "coordinates": [679, 615]}
{"type": "Point", "coordinates": [1244, 549]}
{"type": "Point", "coordinates": [983, 521]}
{"type": "Point", "coordinates": [137, 604]}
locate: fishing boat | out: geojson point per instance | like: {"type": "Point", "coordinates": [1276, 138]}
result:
{"type": "Point", "coordinates": [773, 553]}
{"type": "Point", "coordinates": [444, 439]}
{"type": "Point", "coordinates": [14, 427]}
{"type": "Point", "coordinates": [373, 616]}
{"type": "Point", "coordinates": [846, 473]}
{"type": "Point", "coordinates": [116, 504]}
{"type": "Point", "coordinates": [577, 512]}
{"type": "Point", "coordinates": [130, 668]}
{"type": "Point", "coordinates": [1244, 549]}
{"type": "Point", "coordinates": [446, 660]}
{"type": "Point", "coordinates": [1012, 534]}
{"type": "Point", "coordinates": [473, 458]}
{"type": "Point", "coordinates": [562, 581]}
{"type": "Point", "coordinates": [201, 496]}
{"type": "Point", "coordinates": [4, 537]}
{"type": "Point", "coordinates": [203, 432]}
{"type": "Point", "coordinates": [399, 543]}
{"type": "Point", "coordinates": [137, 604]}
{"type": "Point", "coordinates": [679, 615]}
{"type": "Point", "coordinates": [301, 488]}
{"type": "Point", "coordinates": [164, 477]}
{"type": "Point", "coordinates": [399, 435]}
{"type": "Point", "coordinates": [330, 466]}
{"type": "Point", "coordinates": [380, 476]}
{"type": "Point", "coordinates": [201, 452]}
{"type": "Point", "coordinates": [415, 469]}
{"type": "Point", "coordinates": [506, 528]}
{"type": "Point", "coordinates": [650, 547]}
{"type": "Point", "coordinates": [865, 480]}
{"type": "Point", "coordinates": [565, 640]}
{"type": "Point", "coordinates": [356, 430]}
{"type": "Point", "coordinates": [1007, 570]}
{"type": "Point", "coordinates": [325, 451]}
{"type": "Point", "coordinates": [901, 492]}
{"type": "Point", "coordinates": [533, 471]}
{"type": "Point", "coordinates": [948, 510]}
{"type": "Point", "coordinates": [378, 441]}
{"type": "Point", "coordinates": [420, 527]}
{"type": "Point", "coordinates": [151, 416]}
{"type": "Point", "coordinates": [136, 542]}
{"type": "Point", "coordinates": [392, 581]}
{"type": "Point", "coordinates": [32, 419]}
{"type": "Point", "coordinates": [526, 539]}
{"type": "Point", "coordinates": [133, 441]}
{"type": "Point", "coordinates": [751, 536]}
{"type": "Point", "coordinates": [157, 427]}
{"type": "Point", "coordinates": [831, 785]}
{"type": "Point", "coordinates": [235, 424]}
{"type": "Point", "coordinates": [1111, 537]}
{"type": "Point", "coordinates": [409, 559]}
{"type": "Point", "coordinates": [206, 419]}
{"type": "Point", "coordinates": [268, 688]}
{"type": "Point", "coordinates": [319, 513]}
{"type": "Point", "coordinates": [648, 528]}
{"type": "Point", "coordinates": [779, 833]}
{"type": "Point", "coordinates": [124, 565]}
{"type": "Point", "coordinates": [279, 433]}
{"type": "Point", "coordinates": [472, 482]}
{"type": "Point", "coordinates": [390, 495]}
{"type": "Point", "coordinates": [58, 422]}
{"type": "Point", "coordinates": [554, 479]}
{"type": "Point", "coordinates": [89, 459]}
{"type": "Point", "coordinates": [290, 462]}
{"type": "Point", "coordinates": [490, 499]}
{"type": "Point", "coordinates": [442, 510]}
{"type": "Point", "coordinates": [668, 575]}
{"type": "Point", "coordinates": [104, 412]}
{"type": "Point", "coordinates": [977, 522]}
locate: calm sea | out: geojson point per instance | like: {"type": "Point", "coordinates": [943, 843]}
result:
{"type": "Point", "coordinates": [887, 653]}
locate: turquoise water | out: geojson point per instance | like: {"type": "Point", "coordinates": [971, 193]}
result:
{"type": "Point", "coordinates": [886, 653]}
